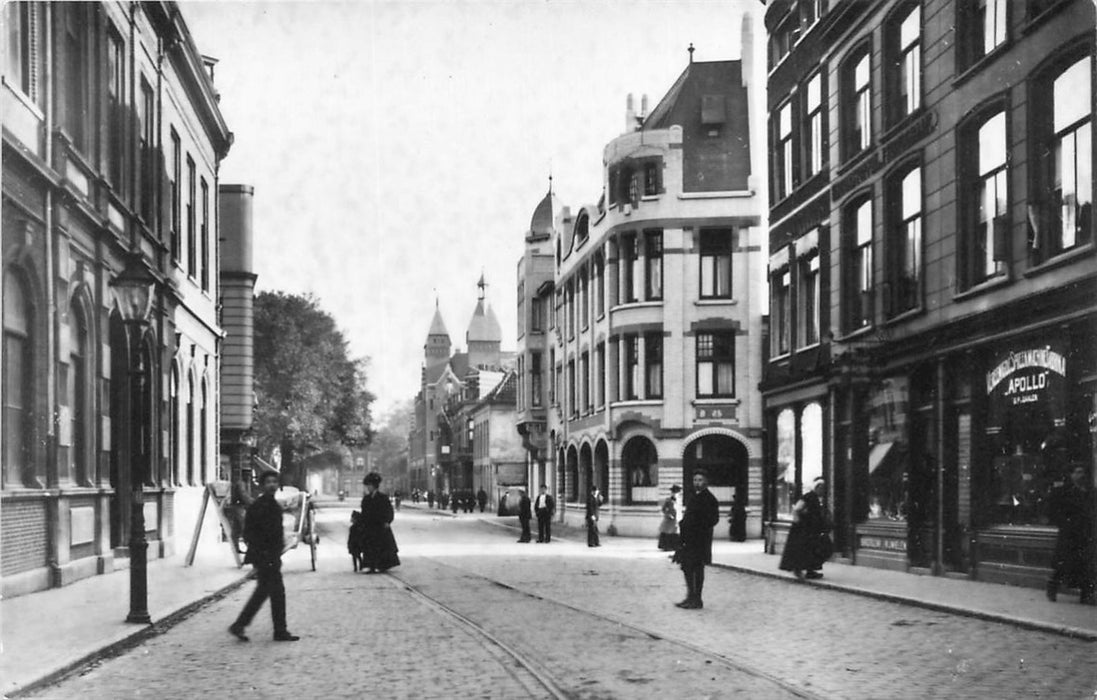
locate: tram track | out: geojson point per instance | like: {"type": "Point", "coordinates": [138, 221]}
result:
{"type": "Point", "coordinates": [545, 678]}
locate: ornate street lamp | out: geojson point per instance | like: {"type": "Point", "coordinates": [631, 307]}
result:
{"type": "Point", "coordinates": [134, 289]}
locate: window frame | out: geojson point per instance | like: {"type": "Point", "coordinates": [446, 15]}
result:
{"type": "Point", "coordinates": [859, 259]}
{"type": "Point", "coordinates": [857, 101]}
{"type": "Point", "coordinates": [715, 245]}
{"type": "Point", "coordinates": [653, 365]}
{"type": "Point", "coordinates": [809, 299]}
{"type": "Point", "coordinates": [904, 64]}
{"type": "Point", "coordinates": [706, 352]}
{"type": "Point", "coordinates": [994, 241]}
{"type": "Point", "coordinates": [815, 138]}
{"type": "Point", "coordinates": [653, 265]}
{"type": "Point", "coordinates": [905, 239]}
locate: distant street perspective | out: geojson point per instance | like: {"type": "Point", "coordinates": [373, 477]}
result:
{"type": "Point", "coordinates": [473, 613]}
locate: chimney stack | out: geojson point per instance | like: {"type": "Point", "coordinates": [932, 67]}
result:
{"type": "Point", "coordinates": [630, 114]}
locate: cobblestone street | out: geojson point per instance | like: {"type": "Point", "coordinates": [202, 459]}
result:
{"type": "Point", "coordinates": [471, 613]}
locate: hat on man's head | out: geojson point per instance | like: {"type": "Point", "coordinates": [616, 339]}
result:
{"type": "Point", "coordinates": [675, 489]}
{"type": "Point", "coordinates": [269, 472]}
{"type": "Point", "coordinates": [372, 478]}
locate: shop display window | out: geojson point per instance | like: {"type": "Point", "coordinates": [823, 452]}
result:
{"type": "Point", "coordinates": [786, 461]}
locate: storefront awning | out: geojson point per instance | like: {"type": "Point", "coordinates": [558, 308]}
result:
{"type": "Point", "coordinates": [878, 454]}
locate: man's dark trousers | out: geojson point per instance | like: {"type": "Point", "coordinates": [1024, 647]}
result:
{"type": "Point", "coordinates": [592, 533]}
{"type": "Point", "coordinates": [525, 529]}
{"type": "Point", "coordinates": [269, 585]}
{"type": "Point", "coordinates": [544, 526]}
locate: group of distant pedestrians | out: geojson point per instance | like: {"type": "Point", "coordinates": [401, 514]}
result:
{"type": "Point", "coordinates": [465, 501]}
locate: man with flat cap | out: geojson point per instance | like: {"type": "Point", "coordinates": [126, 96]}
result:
{"type": "Point", "coordinates": [264, 537]}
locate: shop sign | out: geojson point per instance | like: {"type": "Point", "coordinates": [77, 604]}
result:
{"type": "Point", "coordinates": [886, 543]}
{"type": "Point", "coordinates": [715, 413]}
{"type": "Point", "coordinates": [1033, 377]}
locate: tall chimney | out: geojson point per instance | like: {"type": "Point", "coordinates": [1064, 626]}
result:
{"type": "Point", "coordinates": [237, 283]}
{"type": "Point", "coordinates": [746, 51]}
{"type": "Point", "coordinates": [644, 106]}
{"type": "Point", "coordinates": [630, 114]}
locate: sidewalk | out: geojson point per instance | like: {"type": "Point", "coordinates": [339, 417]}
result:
{"type": "Point", "coordinates": [48, 633]}
{"type": "Point", "coordinates": [1014, 605]}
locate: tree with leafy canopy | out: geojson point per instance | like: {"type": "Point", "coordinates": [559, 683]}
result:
{"type": "Point", "coordinates": [310, 394]}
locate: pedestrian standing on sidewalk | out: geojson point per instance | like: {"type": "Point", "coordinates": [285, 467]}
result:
{"type": "Point", "coordinates": [594, 502]}
{"type": "Point", "coordinates": [1073, 511]}
{"type": "Point", "coordinates": [808, 545]}
{"type": "Point", "coordinates": [524, 515]}
{"type": "Point", "coordinates": [482, 498]}
{"type": "Point", "coordinates": [379, 550]}
{"type": "Point", "coordinates": [695, 542]}
{"type": "Point", "coordinates": [668, 528]}
{"type": "Point", "coordinates": [544, 507]}
{"type": "Point", "coordinates": [264, 537]}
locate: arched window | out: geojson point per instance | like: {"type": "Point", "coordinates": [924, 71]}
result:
{"type": "Point", "coordinates": [18, 382]}
{"type": "Point", "coordinates": [640, 464]}
{"type": "Point", "coordinates": [858, 279]}
{"type": "Point", "coordinates": [203, 431]}
{"type": "Point", "coordinates": [190, 432]}
{"type": "Point", "coordinates": [904, 241]}
{"type": "Point", "coordinates": [78, 393]}
{"type": "Point", "coordinates": [856, 86]}
{"type": "Point", "coordinates": [173, 422]}
{"type": "Point", "coordinates": [904, 63]}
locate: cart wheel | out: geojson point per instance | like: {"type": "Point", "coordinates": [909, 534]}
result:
{"type": "Point", "coordinates": [314, 538]}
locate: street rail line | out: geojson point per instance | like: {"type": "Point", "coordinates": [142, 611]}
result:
{"type": "Point", "coordinates": [489, 641]}
{"type": "Point", "coordinates": [727, 660]}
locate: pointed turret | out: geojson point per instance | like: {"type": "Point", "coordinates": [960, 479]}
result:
{"type": "Point", "coordinates": [484, 336]}
{"type": "Point", "coordinates": [437, 349]}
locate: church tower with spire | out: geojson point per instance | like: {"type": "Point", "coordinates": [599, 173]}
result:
{"type": "Point", "coordinates": [436, 352]}
{"type": "Point", "coordinates": [484, 336]}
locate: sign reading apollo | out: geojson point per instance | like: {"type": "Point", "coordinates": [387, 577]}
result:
{"type": "Point", "coordinates": [1022, 385]}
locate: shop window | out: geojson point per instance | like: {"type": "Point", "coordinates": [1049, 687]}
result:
{"type": "Point", "coordinates": [815, 139]}
{"type": "Point", "coordinates": [858, 280]}
{"type": "Point", "coordinates": [985, 200]}
{"type": "Point", "coordinates": [1063, 216]}
{"type": "Point", "coordinates": [888, 437]}
{"type": "Point", "coordinates": [904, 88]}
{"type": "Point", "coordinates": [782, 311]}
{"type": "Point", "coordinates": [653, 264]}
{"type": "Point", "coordinates": [715, 275]}
{"type": "Point", "coordinates": [784, 166]}
{"type": "Point", "coordinates": [905, 241]}
{"type": "Point", "coordinates": [653, 365]}
{"type": "Point", "coordinates": [640, 464]}
{"type": "Point", "coordinates": [856, 77]}
{"type": "Point", "coordinates": [716, 365]}
{"type": "Point", "coordinates": [18, 398]}
{"type": "Point", "coordinates": [786, 462]}
{"type": "Point", "coordinates": [811, 445]}
{"type": "Point", "coordinates": [808, 308]}
{"type": "Point", "coordinates": [982, 28]}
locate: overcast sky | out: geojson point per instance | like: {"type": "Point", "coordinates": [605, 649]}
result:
{"type": "Point", "coordinates": [398, 149]}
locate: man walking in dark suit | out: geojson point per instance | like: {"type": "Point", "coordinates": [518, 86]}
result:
{"type": "Point", "coordinates": [524, 515]}
{"type": "Point", "coordinates": [263, 535]}
{"type": "Point", "coordinates": [544, 507]}
{"type": "Point", "coordinates": [695, 545]}
{"type": "Point", "coordinates": [594, 502]}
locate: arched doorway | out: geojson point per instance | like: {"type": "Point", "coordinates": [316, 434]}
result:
{"type": "Point", "coordinates": [601, 466]}
{"type": "Point", "coordinates": [586, 471]}
{"type": "Point", "coordinates": [639, 467]}
{"type": "Point", "coordinates": [572, 471]}
{"type": "Point", "coordinates": [725, 461]}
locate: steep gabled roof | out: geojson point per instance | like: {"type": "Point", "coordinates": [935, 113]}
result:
{"type": "Point", "coordinates": [669, 111]}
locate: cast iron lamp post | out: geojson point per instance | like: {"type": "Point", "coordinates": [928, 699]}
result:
{"type": "Point", "coordinates": [134, 289]}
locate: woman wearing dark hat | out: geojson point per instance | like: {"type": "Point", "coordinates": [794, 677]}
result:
{"type": "Point", "coordinates": [668, 528]}
{"type": "Point", "coordinates": [378, 543]}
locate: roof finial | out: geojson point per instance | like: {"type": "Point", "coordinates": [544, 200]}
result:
{"type": "Point", "coordinates": [691, 50]}
{"type": "Point", "coordinates": [550, 179]}
{"type": "Point", "coordinates": [481, 284]}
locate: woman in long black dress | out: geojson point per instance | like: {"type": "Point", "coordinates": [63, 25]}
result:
{"type": "Point", "coordinates": [378, 543]}
{"type": "Point", "coordinates": [808, 545]}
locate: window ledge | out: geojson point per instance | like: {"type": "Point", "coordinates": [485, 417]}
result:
{"type": "Point", "coordinates": [981, 63]}
{"type": "Point", "coordinates": [898, 126]}
{"type": "Point", "coordinates": [809, 346]}
{"type": "Point", "coordinates": [24, 98]}
{"type": "Point", "coordinates": [852, 161]}
{"type": "Point", "coordinates": [716, 401]}
{"type": "Point", "coordinates": [781, 357]}
{"type": "Point", "coordinates": [1032, 23]}
{"type": "Point", "coordinates": [905, 315]}
{"type": "Point", "coordinates": [636, 403]}
{"type": "Point", "coordinates": [729, 301]}
{"type": "Point", "coordinates": [984, 286]}
{"type": "Point", "coordinates": [736, 194]}
{"type": "Point", "coordinates": [649, 198]}
{"type": "Point", "coordinates": [1063, 258]}
{"type": "Point", "coordinates": [855, 334]}
{"type": "Point", "coordinates": [636, 305]}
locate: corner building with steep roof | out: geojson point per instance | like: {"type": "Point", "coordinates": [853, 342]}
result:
{"type": "Point", "coordinates": [654, 340]}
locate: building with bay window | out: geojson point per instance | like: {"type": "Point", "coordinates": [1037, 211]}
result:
{"type": "Point", "coordinates": [652, 353]}
{"type": "Point", "coordinates": [112, 139]}
{"type": "Point", "coordinates": [932, 283]}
